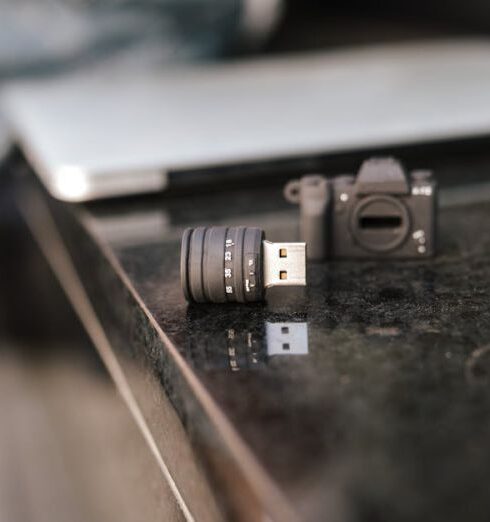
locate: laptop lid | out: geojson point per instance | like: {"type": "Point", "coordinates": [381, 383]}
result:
{"type": "Point", "coordinates": [106, 134]}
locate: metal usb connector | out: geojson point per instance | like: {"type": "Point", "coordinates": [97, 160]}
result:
{"type": "Point", "coordinates": [284, 264]}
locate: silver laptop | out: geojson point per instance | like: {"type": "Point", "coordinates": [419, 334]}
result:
{"type": "Point", "coordinates": [115, 134]}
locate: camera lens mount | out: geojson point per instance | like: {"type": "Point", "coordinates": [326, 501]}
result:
{"type": "Point", "coordinates": [380, 223]}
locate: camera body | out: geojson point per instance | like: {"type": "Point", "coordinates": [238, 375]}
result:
{"type": "Point", "coordinates": [381, 212]}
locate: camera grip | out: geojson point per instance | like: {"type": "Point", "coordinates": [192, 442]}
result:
{"type": "Point", "coordinates": [312, 193]}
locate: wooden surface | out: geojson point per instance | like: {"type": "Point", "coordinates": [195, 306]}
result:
{"type": "Point", "coordinates": [69, 449]}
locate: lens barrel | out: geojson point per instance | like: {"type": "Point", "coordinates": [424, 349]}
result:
{"type": "Point", "coordinates": [222, 264]}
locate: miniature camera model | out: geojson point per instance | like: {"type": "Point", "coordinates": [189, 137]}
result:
{"type": "Point", "coordinates": [381, 212]}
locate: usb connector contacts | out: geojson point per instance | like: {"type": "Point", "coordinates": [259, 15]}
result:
{"type": "Point", "coordinates": [284, 264]}
{"type": "Point", "coordinates": [237, 264]}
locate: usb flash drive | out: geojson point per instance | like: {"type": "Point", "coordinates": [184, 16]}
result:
{"type": "Point", "coordinates": [237, 264]}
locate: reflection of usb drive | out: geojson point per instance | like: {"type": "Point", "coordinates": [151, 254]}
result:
{"type": "Point", "coordinates": [231, 345]}
{"type": "Point", "coordinates": [286, 338]}
{"type": "Point", "coordinates": [247, 350]}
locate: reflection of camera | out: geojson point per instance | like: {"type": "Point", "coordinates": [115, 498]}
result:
{"type": "Point", "coordinates": [379, 213]}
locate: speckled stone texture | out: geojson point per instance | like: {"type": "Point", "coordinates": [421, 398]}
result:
{"type": "Point", "coordinates": [387, 415]}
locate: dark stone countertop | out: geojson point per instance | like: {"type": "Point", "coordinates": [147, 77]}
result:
{"type": "Point", "coordinates": [379, 411]}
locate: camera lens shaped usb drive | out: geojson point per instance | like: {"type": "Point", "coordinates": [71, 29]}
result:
{"type": "Point", "coordinates": [237, 264]}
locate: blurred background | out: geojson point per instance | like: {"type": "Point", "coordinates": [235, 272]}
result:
{"type": "Point", "coordinates": [69, 449]}
{"type": "Point", "coordinates": [51, 38]}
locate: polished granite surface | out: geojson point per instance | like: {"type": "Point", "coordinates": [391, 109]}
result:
{"type": "Point", "coordinates": [376, 407]}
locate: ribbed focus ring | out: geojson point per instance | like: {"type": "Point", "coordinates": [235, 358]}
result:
{"type": "Point", "coordinates": [220, 264]}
